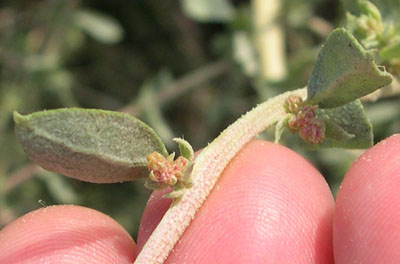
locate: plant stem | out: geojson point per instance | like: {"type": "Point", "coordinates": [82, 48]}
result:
{"type": "Point", "coordinates": [269, 39]}
{"type": "Point", "coordinates": [18, 177]}
{"type": "Point", "coordinates": [183, 85]}
{"type": "Point", "coordinates": [208, 166]}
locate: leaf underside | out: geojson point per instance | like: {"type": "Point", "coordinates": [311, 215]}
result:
{"type": "Point", "coordinates": [343, 72]}
{"type": "Point", "coordinates": [86, 144]}
{"type": "Point", "coordinates": [346, 127]}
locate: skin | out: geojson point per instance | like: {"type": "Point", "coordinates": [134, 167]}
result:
{"type": "Point", "coordinates": [269, 206]}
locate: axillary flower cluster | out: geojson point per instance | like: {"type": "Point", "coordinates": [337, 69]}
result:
{"type": "Point", "coordinates": [303, 119]}
{"type": "Point", "coordinates": [166, 172]}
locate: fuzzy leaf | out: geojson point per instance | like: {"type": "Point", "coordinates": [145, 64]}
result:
{"type": "Point", "coordinates": [87, 144]}
{"type": "Point", "coordinates": [185, 148]}
{"type": "Point", "coordinates": [346, 127]}
{"type": "Point", "coordinates": [343, 72]}
{"type": "Point", "coordinates": [335, 132]}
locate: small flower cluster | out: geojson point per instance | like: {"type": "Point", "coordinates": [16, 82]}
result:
{"type": "Point", "coordinates": [165, 171]}
{"type": "Point", "coordinates": [304, 120]}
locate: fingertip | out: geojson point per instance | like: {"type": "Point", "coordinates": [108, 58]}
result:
{"type": "Point", "coordinates": [155, 209]}
{"type": "Point", "coordinates": [65, 234]}
{"type": "Point", "coordinates": [367, 213]}
{"type": "Point", "coordinates": [269, 206]}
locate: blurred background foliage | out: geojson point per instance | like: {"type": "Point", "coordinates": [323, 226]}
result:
{"type": "Point", "coordinates": [188, 68]}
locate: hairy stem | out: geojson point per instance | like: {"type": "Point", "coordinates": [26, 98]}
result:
{"type": "Point", "coordinates": [208, 166]}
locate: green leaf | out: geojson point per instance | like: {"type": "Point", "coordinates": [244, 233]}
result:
{"type": "Point", "coordinates": [244, 53]}
{"type": "Point", "coordinates": [151, 110]}
{"type": "Point", "coordinates": [208, 10]}
{"type": "Point", "coordinates": [185, 148]}
{"type": "Point", "coordinates": [280, 127]}
{"type": "Point", "coordinates": [343, 72]}
{"type": "Point", "coordinates": [392, 51]}
{"type": "Point", "coordinates": [389, 9]}
{"type": "Point", "coordinates": [58, 187]}
{"type": "Point", "coordinates": [335, 132]}
{"type": "Point", "coordinates": [367, 25]}
{"type": "Point", "coordinates": [346, 127]}
{"type": "Point", "coordinates": [369, 9]}
{"type": "Point", "coordinates": [100, 26]}
{"type": "Point", "coordinates": [87, 144]}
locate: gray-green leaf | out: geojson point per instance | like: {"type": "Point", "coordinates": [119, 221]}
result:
{"type": "Point", "coordinates": [389, 9]}
{"type": "Point", "coordinates": [185, 148]}
{"type": "Point", "coordinates": [346, 127]}
{"type": "Point", "coordinates": [208, 10]}
{"type": "Point", "coordinates": [392, 51]}
{"type": "Point", "coordinates": [280, 128]}
{"type": "Point", "coordinates": [343, 72]}
{"type": "Point", "coordinates": [87, 144]}
{"type": "Point", "coordinates": [99, 26]}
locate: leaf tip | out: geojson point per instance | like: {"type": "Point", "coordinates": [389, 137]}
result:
{"type": "Point", "coordinates": [19, 119]}
{"type": "Point", "coordinates": [186, 150]}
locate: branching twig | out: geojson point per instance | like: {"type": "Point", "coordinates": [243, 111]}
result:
{"type": "Point", "coordinates": [186, 83]}
{"type": "Point", "coordinates": [18, 177]}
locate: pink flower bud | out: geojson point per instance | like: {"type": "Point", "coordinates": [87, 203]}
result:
{"type": "Point", "coordinates": [164, 171]}
{"type": "Point", "coordinates": [160, 168]}
{"type": "Point", "coordinates": [293, 124]}
{"type": "Point", "coordinates": [305, 121]}
{"type": "Point", "coordinates": [313, 131]}
{"type": "Point", "coordinates": [292, 104]}
{"type": "Point", "coordinates": [179, 167]}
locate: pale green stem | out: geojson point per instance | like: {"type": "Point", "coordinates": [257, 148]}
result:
{"type": "Point", "coordinates": [207, 168]}
{"type": "Point", "coordinates": [269, 39]}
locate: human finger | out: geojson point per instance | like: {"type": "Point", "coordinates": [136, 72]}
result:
{"type": "Point", "coordinates": [269, 206]}
{"type": "Point", "coordinates": [65, 234]}
{"type": "Point", "coordinates": [367, 214]}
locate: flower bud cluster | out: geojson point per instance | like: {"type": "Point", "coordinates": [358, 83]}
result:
{"type": "Point", "coordinates": [165, 171]}
{"type": "Point", "coordinates": [304, 120]}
